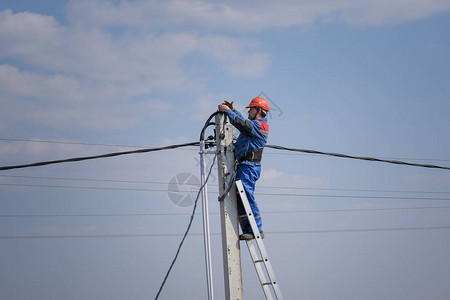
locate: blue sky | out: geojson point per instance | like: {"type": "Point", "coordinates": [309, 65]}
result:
{"type": "Point", "coordinates": [366, 78]}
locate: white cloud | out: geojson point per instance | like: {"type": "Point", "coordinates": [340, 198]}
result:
{"type": "Point", "coordinates": [380, 12]}
{"type": "Point", "coordinates": [83, 76]}
{"type": "Point", "coordinates": [107, 60]}
{"type": "Point", "coordinates": [21, 148]}
{"type": "Point", "coordinates": [238, 56]}
{"type": "Point", "coordinates": [273, 177]}
{"type": "Point", "coordinates": [91, 53]}
{"type": "Point", "coordinates": [270, 175]}
{"type": "Point", "coordinates": [24, 32]}
{"type": "Point", "coordinates": [251, 15]}
{"type": "Point", "coordinates": [416, 177]}
{"type": "Point", "coordinates": [102, 55]}
{"type": "Point", "coordinates": [65, 101]}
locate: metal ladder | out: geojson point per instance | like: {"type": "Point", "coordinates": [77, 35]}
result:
{"type": "Point", "coordinates": [258, 253]}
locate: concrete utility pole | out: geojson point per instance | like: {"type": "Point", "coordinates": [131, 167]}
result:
{"type": "Point", "coordinates": [228, 210]}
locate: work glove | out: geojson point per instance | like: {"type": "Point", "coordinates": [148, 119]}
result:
{"type": "Point", "coordinates": [229, 104]}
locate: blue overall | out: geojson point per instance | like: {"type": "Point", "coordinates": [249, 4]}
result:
{"type": "Point", "coordinates": [253, 136]}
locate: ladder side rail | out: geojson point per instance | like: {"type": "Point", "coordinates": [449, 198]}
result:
{"type": "Point", "coordinates": [259, 270]}
{"type": "Point", "coordinates": [269, 269]}
{"type": "Point", "coordinates": [268, 266]}
{"type": "Point", "coordinates": [248, 210]}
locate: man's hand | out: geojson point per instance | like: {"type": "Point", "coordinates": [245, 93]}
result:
{"type": "Point", "coordinates": [229, 104]}
{"type": "Point", "coordinates": [223, 107]}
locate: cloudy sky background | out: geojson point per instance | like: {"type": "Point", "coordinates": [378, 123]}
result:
{"type": "Point", "coordinates": [366, 78]}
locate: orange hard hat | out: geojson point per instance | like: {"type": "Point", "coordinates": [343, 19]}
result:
{"type": "Point", "coordinates": [259, 101]}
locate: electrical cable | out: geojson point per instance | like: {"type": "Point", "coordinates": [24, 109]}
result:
{"type": "Point", "coordinates": [90, 179]}
{"type": "Point", "coordinates": [229, 186]}
{"type": "Point", "coordinates": [76, 159]}
{"type": "Point", "coordinates": [259, 187]}
{"type": "Point", "coordinates": [362, 230]}
{"type": "Point", "coordinates": [208, 123]}
{"type": "Point", "coordinates": [70, 143]}
{"type": "Point", "coordinates": [140, 146]}
{"type": "Point", "coordinates": [83, 187]}
{"type": "Point", "coordinates": [227, 190]}
{"type": "Point", "coordinates": [397, 162]}
{"type": "Point", "coordinates": [202, 139]}
{"type": "Point", "coordinates": [188, 228]}
{"type": "Point", "coordinates": [351, 196]}
{"type": "Point", "coordinates": [99, 236]}
{"type": "Point", "coordinates": [187, 214]}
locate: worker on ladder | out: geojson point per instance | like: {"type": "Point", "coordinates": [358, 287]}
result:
{"type": "Point", "coordinates": [248, 153]}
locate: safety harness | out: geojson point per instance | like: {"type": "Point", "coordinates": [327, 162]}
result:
{"type": "Point", "coordinates": [253, 156]}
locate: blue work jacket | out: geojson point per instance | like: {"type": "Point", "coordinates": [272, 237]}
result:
{"type": "Point", "coordinates": [253, 133]}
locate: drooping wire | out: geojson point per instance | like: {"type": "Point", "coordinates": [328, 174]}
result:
{"type": "Point", "coordinates": [202, 139]}
{"type": "Point", "coordinates": [397, 162]}
{"type": "Point", "coordinates": [75, 159]}
{"type": "Point", "coordinates": [145, 150]}
{"type": "Point", "coordinates": [188, 228]}
{"type": "Point", "coordinates": [142, 146]}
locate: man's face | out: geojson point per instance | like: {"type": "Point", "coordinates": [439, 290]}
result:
{"type": "Point", "coordinates": [252, 112]}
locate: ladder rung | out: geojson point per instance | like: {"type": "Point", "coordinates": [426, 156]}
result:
{"type": "Point", "coordinates": [258, 261]}
{"type": "Point", "coordinates": [267, 283]}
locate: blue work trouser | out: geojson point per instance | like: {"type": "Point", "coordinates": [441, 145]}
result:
{"type": "Point", "coordinates": [248, 173]}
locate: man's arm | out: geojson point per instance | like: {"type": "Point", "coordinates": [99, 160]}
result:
{"type": "Point", "coordinates": [241, 124]}
{"type": "Point", "coordinates": [236, 118]}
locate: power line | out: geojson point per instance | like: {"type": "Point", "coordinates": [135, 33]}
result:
{"type": "Point", "coordinates": [81, 179]}
{"type": "Point", "coordinates": [353, 190]}
{"type": "Point", "coordinates": [358, 209]}
{"type": "Point", "coordinates": [92, 215]}
{"type": "Point", "coordinates": [142, 146]}
{"type": "Point", "coordinates": [76, 159]}
{"type": "Point", "coordinates": [88, 236]}
{"type": "Point", "coordinates": [202, 139]}
{"type": "Point", "coordinates": [381, 157]}
{"type": "Point", "coordinates": [195, 202]}
{"type": "Point", "coordinates": [102, 236]}
{"type": "Point", "coordinates": [82, 187]}
{"type": "Point", "coordinates": [88, 179]}
{"type": "Point", "coordinates": [350, 196]}
{"type": "Point", "coordinates": [259, 186]}
{"type": "Point", "coordinates": [70, 143]}
{"type": "Point", "coordinates": [186, 214]}
{"type": "Point", "coordinates": [397, 162]}
{"type": "Point", "coordinates": [257, 193]}
{"type": "Point", "coordinates": [362, 230]}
